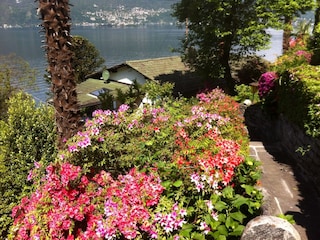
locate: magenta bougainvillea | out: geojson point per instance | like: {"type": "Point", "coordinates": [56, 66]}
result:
{"type": "Point", "coordinates": [266, 83]}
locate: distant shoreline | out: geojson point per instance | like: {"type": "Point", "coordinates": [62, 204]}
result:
{"type": "Point", "coordinates": [96, 25]}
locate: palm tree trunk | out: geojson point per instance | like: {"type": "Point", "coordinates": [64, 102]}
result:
{"type": "Point", "coordinates": [55, 15]}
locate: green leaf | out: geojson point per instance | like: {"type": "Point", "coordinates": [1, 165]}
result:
{"type": "Point", "coordinates": [214, 225]}
{"type": "Point", "coordinates": [239, 201]}
{"type": "Point", "coordinates": [198, 236]}
{"type": "Point", "coordinates": [166, 184]}
{"type": "Point", "coordinates": [228, 192]}
{"type": "Point", "coordinates": [223, 230]}
{"type": "Point", "coordinates": [220, 206]}
{"type": "Point", "coordinates": [249, 189]}
{"type": "Point", "coordinates": [214, 198]}
{"type": "Point", "coordinates": [207, 218]}
{"type": "Point", "coordinates": [187, 226]}
{"type": "Point", "coordinates": [230, 223]}
{"type": "Point", "coordinates": [237, 231]}
{"type": "Point", "coordinates": [186, 232]}
{"type": "Point", "coordinates": [222, 217]}
{"type": "Point", "coordinates": [222, 237]}
{"type": "Point", "coordinates": [239, 216]}
{"type": "Point", "coordinates": [149, 143]}
{"type": "Point", "coordinates": [177, 183]}
{"type": "Point", "coordinates": [287, 217]}
{"type": "Point", "coordinates": [190, 210]}
{"type": "Point", "coordinates": [249, 162]}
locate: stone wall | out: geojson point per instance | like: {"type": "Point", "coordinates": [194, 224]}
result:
{"type": "Point", "coordinates": [303, 150]}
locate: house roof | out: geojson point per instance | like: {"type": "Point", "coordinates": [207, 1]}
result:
{"type": "Point", "coordinates": [153, 68]}
{"type": "Point", "coordinates": [86, 88]}
{"type": "Point", "coordinates": [166, 69]}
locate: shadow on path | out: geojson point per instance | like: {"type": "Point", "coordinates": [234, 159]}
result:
{"type": "Point", "coordinates": [287, 191]}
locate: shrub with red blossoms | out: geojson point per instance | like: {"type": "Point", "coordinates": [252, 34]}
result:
{"type": "Point", "coordinates": [68, 206]}
{"type": "Point", "coordinates": [178, 171]}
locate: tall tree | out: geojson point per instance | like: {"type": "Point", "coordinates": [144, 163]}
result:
{"type": "Point", "coordinates": [55, 15]}
{"type": "Point", "coordinates": [219, 29]}
{"type": "Point", "coordinates": [87, 58]}
{"type": "Point", "coordinates": [284, 12]}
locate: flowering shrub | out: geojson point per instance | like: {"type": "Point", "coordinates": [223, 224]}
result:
{"type": "Point", "coordinates": [304, 54]}
{"type": "Point", "coordinates": [179, 171]}
{"type": "Point", "coordinates": [266, 84]}
{"type": "Point", "coordinates": [293, 58]}
{"type": "Point", "coordinates": [26, 136]}
{"type": "Point", "coordinates": [77, 206]}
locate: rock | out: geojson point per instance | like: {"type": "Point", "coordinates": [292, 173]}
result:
{"type": "Point", "coordinates": [247, 102]}
{"type": "Point", "coordinates": [269, 228]}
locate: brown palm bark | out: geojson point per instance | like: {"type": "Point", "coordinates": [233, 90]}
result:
{"type": "Point", "coordinates": [55, 15]}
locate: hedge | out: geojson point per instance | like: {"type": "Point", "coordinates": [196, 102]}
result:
{"type": "Point", "coordinates": [299, 97]}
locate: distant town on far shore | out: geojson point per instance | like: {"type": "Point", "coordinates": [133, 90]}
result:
{"type": "Point", "coordinates": [22, 13]}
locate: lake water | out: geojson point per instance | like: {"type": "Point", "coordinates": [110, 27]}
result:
{"type": "Point", "coordinates": [116, 45]}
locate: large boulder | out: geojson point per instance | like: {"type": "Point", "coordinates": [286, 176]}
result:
{"type": "Point", "coordinates": [270, 228]}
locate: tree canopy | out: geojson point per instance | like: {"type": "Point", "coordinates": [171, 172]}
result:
{"type": "Point", "coordinates": [15, 73]}
{"type": "Point", "coordinates": [218, 30]}
{"type": "Point", "coordinates": [86, 59]}
{"type": "Point", "coordinates": [283, 12]}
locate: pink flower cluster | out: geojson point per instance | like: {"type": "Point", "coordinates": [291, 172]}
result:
{"type": "Point", "coordinates": [67, 206]}
{"type": "Point", "coordinates": [216, 161]}
{"type": "Point", "coordinates": [202, 117]}
{"type": "Point", "coordinates": [266, 83]}
{"type": "Point", "coordinates": [173, 220]}
{"type": "Point", "coordinates": [210, 97]}
{"type": "Point", "coordinates": [217, 169]}
{"type": "Point", "coordinates": [304, 54]}
{"type": "Point", "coordinates": [157, 117]}
{"type": "Point", "coordinates": [126, 207]}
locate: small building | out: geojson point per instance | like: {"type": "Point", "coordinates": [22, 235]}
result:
{"type": "Point", "coordinates": [88, 92]}
{"type": "Point", "coordinates": [165, 69]}
{"type": "Point", "coordinates": [121, 76]}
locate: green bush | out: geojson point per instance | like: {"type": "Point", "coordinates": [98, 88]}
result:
{"type": "Point", "coordinates": [314, 46]}
{"type": "Point", "coordinates": [250, 68]}
{"type": "Point", "coordinates": [269, 90]}
{"type": "Point", "coordinates": [15, 73]}
{"type": "Point", "coordinates": [126, 145]}
{"type": "Point", "coordinates": [246, 92]}
{"type": "Point", "coordinates": [158, 92]}
{"type": "Point", "coordinates": [292, 58]}
{"type": "Point", "coordinates": [27, 136]}
{"type": "Point", "coordinates": [298, 97]}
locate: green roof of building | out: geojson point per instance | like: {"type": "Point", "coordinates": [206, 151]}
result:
{"type": "Point", "coordinates": [86, 88]}
{"type": "Point", "coordinates": [153, 68]}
